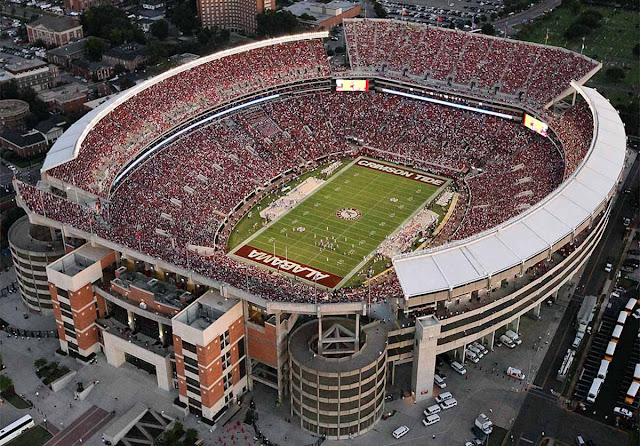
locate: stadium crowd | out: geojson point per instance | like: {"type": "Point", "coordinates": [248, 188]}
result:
{"type": "Point", "coordinates": [182, 194]}
{"type": "Point", "coordinates": [465, 61]}
{"type": "Point", "coordinates": [162, 106]}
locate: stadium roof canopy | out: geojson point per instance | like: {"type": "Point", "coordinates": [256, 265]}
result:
{"type": "Point", "coordinates": [535, 230]}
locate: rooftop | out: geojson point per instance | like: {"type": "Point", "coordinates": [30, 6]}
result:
{"type": "Point", "coordinates": [10, 107]}
{"type": "Point", "coordinates": [208, 308]}
{"type": "Point", "coordinates": [321, 11]}
{"type": "Point", "coordinates": [70, 48]}
{"type": "Point", "coordinates": [22, 138]}
{"type": "Point", "coordinates": [79, 260]}
{"type": "Point", "coordinates": [57, 24]}
{"type": "Point", "coordinates": [163, 292]}
{"type": "Point", "coordinates": [26, 236]}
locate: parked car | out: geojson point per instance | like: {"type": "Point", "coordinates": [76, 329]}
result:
{"type": "Point", "coordinates": [443, 396]}
{"type": "Point", "coordinates": [455, 365]}
{"type": "Point", "coordinates": [622, 412]}
{"type": "Point", "coordinates": [515, 373]}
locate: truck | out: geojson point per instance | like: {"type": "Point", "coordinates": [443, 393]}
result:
{"type": "Point", "coordinates": [484, 424]}
{"type": "Point", "coordinates": [514, 337]}
{"type": "Point", "coordinates": [586, 312]}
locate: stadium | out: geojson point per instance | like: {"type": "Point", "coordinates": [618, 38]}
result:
{"type": "Point", "coordinates": [263, 213]}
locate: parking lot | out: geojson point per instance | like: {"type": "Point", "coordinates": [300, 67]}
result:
{"type": "Point", "coordinates": [484, 389]}
{"type": "Point", "coordinates": [450, 11]}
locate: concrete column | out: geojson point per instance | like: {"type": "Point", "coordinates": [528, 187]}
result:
{"type": "Point", "coordinates": [132, 324]}
{"type": "Point", "coordinates": [424, 357]}
{"type": "Point", "coordinates": [516, 325]}
{"type": "Point", "coordinates": [320, 335]}
{"type": "Point", "coordinates": [492, 340]}
{"type": "Point", "coordinates": [357, 346]}
{"type": "Point", "coordinates": [535, 311]}
{"type": "Point", "coordinates": [393, 373]}
{"type": "Point", "coordinates": [161, 331]}
{"type": "Point", "coordinates": [280, 378]}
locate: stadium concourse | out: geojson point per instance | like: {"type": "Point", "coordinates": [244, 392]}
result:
{"type": "Point", "coordinates": [156, 180]}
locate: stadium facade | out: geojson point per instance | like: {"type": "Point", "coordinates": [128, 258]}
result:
{"type": "Point", "coordinates": [144, 291]}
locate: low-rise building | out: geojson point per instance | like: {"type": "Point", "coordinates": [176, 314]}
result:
{"type": "Point", "coordinates": [97, 71]}
{"type": "Point", "coordinates": [130, 56]}
{"type": "Point", "coordinates": [66, 54]}
{"type": "Point", "coordinates": [66, 98]}
{"type": "Point", "coordinates": [52, 128]}
{"type": "Point", "coordinates": [54, 30]}
{"type": "Point", "coordinates": [25, 143]}
{"type": "Point", "coordinates": [27, 73]}
{"type": "Point", "coordinates": [319, 16]}
{"type": "Point", "coordinates": [153, 4]}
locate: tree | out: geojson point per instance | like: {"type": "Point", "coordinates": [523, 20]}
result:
{"type": "Point", "coordinates": [488, 29]}
{"type": "Point", "coordinates": [330, 52]}
{"type": "Point", "coordinates": [94, 48]}
{"type": "Point", "coordinates": [379, 9]}
{"type": "Point", "coordinates": [636, 50]}
{"type": "Point", "coordinates": [160, 29]}
{"type": "Point", "coordinates": [184, 15]}
{"type": "Point", "coordinates": [9, 90]}
{"type": "Point", "coordinates": [190, 436]}
{"type": "Point", "coordinates": [614, 74]}
{"type": "Point", "coordinates": [6, 384]}
{"type": "Point", "coordinates": [273, 24]}
{"type": "Point", "coordinates": [39, 363]}
{"type": "Point", "coordinates": [111, 23]}
{"type": "Point", "coordinates": [576, 30]}
{"type": "Point", "coordinates": [126, 83]}
{"type": "Point", "coordinates": [309, 17]}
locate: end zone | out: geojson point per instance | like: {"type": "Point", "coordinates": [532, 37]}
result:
{"type": "Point", "coordinates": [300, 270]}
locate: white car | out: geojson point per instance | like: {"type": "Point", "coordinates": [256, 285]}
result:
{"type": "Point", "coordinates": [622, 412]}
{"type": "Point", "coordinates": [471, 356]}
{"type": "Point", "coordinates": [439, 381]}
{"type": "Point", "coordinates": [443, 397]}
{"type": "Point", "coordinates": [636, 314]}
{"type": "Point", "coordinates": [455, 365]}
{"type": "Point", "coordinates": [431, 419]}
{"type": "Point", "coordinates": [480, 347]}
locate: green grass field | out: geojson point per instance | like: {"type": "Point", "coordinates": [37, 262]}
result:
{"type": "Point", "coordinates": [384, 201]}
{"type": "Point", "coordinates": [36, 436]}
{"type": "Point", "coordinates": [612, 44]}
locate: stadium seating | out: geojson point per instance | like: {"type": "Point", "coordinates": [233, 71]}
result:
{"type": "Point", "coordinates": [469, 62]}
{"type": "Point", "coordinates": [132, 125]}
{"type": "Point", "coordinates": [182, 194]}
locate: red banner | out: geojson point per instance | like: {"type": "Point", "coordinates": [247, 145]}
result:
{"type": "Point", "coordinates": [300, 270]}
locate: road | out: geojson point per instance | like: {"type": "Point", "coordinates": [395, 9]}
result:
{"type": "Point", "coordinates": [507, 23]}
{"type": "Point", "coordinates": [540, 411]}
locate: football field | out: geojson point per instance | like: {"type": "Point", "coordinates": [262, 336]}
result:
{"type": "Point", "coordinates": [330, 234]}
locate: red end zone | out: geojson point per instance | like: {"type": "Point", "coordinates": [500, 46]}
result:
{"type": "Point", "coordinates": [289, 266]}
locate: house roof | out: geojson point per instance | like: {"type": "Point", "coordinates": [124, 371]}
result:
{"type": "Point", "coordinates": [71, 48]}
{"type": "Point", "coordinates": [54, 121]}
{"type": "Point", "coordinates": [22, 139]}
{"type": "Point", "coordinates": [129, 52]}
{"type": "Point", "coordinates": [57, 24]}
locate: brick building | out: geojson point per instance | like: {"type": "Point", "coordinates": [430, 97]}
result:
{"type": "Point", "coordinates": [235, 16]}
{"type": "Point", "coordinates": [55, 30]}
{"type": "Point", "coordinates": [97, 71]}
{"type": "Point", "coordinates": [26, 143]}
{"type": "Point", "coordinates": [66, 98]}
{"type": "Point", "coordinates": [131, 56]}
{"type": "Point", "coordinates": [66, 54]}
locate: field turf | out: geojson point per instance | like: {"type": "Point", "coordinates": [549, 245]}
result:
{"type": "Point", "coordinates": [383, 200]}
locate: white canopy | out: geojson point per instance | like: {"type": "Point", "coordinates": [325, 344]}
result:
{"type": "Point", "coordinates": [536, 229]}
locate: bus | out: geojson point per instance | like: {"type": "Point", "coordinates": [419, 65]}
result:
{"type": "Point", "coordinates": [636, 374]}
{"type": "Point", "coordinates": [630, 305]}
{"type": "Point", "coordinates": [604, 368]}
{"type": "Point", "coordinates": [622, 318]}
{"type": "Point", "coordinates": [617, 332]}
{"type": "Point", "coordinates": [632, 392]}
{"type": "Point", "coordinates": [611, 349]}
{"type": "Point", "coordinates": [16, 429]}
{"type": "Point", "coordinates": [594, 390]}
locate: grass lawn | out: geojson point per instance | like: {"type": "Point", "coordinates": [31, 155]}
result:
{"type": "Point", "coordinates": [16, 401]}
{"type": "Point", "coordinates": [354, 211]}
{"type": "Point", "coordinates": [33, 437]}
{"type": "Point", "coordinates": [497, 436]}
